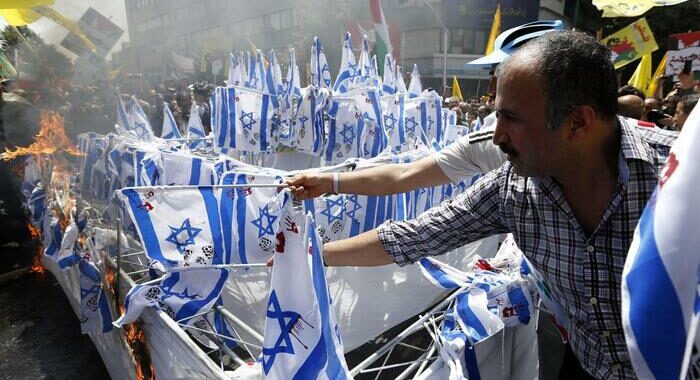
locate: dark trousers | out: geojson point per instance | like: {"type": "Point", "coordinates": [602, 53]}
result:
{"type": "Point", "coordinates": [571, 368]}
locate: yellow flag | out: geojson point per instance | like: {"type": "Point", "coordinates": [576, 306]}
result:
{"type": "Point", "coordinates": [14, 4]}
{"type": "Point", "coordinates": [456, 91]}
{"type": "Point", "coordinates": [642, 76]}
{"type": "Point", "coordinates": [19, 16]}
{"type": "Point", "coordinates": [495, 30]}
{"type": "Point", "coordinates": [630, 43]}
{"type": "Point", "coordinates": [653, 84]}
{"type": "Point", "coordinates": [630, 8]}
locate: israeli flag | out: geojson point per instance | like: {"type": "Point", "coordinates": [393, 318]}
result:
{"type": "Point", "coordinates": [170, 129]}
{"type": "Point", "coordinates": [398, 78]}
{"type": "Point", "coordinates": [301, 339]}
{"type": "Point", "coordinates": [348, 68]}
{"type": "Point", "coordinates": [242, 62]}
{"type": "Point", "coordinates": [309, 124]}
{"type": "Point", "coordinates": [32, 175]}
{"type": "Point", "coordinates": [53, 236]}
{"type": "Point", "coordinates": [140, 127]}
{"type": "Point", "coordinates": [242, 119]}
{"type": "Point", "coordinates": [195, 128]}
{"type": "Point", "coordinates": [123, 122]}
{"type": "Point", "coordinates": [363, 213]}
{"type": "Point", "coordinates": [392, 107]}
{"type": "Point", "coordinates": [37, 205]}
{"type": "Point", "coordinates": [273, 79]}
{"type": "Point", "coordinates": [364, 66]}
{"type": "Point", "coordinates": [415, 88]}
{"type": "Point", "coordinates": [320, 73]}
{"type": "Point", "coordinates": [181, 295]}
{"type": "Point", "coordinates": [290, 97]}
{"type": "Point", "coordinates": [375, 79]}
{"type": "Point", "coordinates": [177, 226]}
{"type": "Point", "coordinates": [416, 116]}
{"type": "Point", "coordinates": [356, 126]}
{"type": "Point", "coordinates": [250, 216]}
{"type": "Point", "coordinates": [65, 256]}
{"type": "Point", "coordinates": [256, 73]}
{"type": "Point", "coordinates": [329, 214]}
{"type": "Point", "coordinates": [389, 82]}
{"type": "Point", "coordinates": [433, 119]}
{"type": "Point", "coordinates": [235, 72]}
{"type": "Point", "coordinates": [95, 315]}
{"type": "Point", "coordinates": [660, 303]}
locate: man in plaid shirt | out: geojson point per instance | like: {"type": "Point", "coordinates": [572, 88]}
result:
{"type": "Point", "coordinates": [571, 193]}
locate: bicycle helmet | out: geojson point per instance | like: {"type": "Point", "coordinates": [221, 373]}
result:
{"type": "Point", "coordinates": [509, 41]}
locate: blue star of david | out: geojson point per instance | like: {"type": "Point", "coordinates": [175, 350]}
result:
{"type": "Point", "coordinates": [325, 69]}
{"type": "Point", "coordinates": [367, 117]}
{"type": "Point", "coordinates": [389, 121]}
{"type": "Point", "coordinates": [348, 133]}
{"type": "Point", "coordinates": [260, 224]}
{"type": "Point", "coordinates": [328, 211]}
{"type": "Point", "coordinates": [141, 131]}
{"type": "Point", "coordinates": [352, 69]}
{"type": "Point", "coordinates": [355, 206]}
{"type": "Point", "coordinates": [430, 123]}
{"type": "Point", "coordinates": [183, 236]}
{"type": "Point", "coordinates": [252, 82]}
{"type": "Point", "coordinates": [411, 124]}
{"type": "Point", "coordinates": [286, 321]}
{"type": "Point", "coordinates": [303, 119]}
{"type": "Point", "coordinates": [247, 119]}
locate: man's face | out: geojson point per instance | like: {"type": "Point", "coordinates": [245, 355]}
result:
{"type": "Point", "coordinates": [521, 130]}
{"type": "Point", "coordinates": [680, 116]}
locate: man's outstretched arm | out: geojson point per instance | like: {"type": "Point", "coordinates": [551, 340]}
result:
{"type": "Point", "coordinates": [380, 180]}
{"type": "Point", "coordinates": [364, 250]}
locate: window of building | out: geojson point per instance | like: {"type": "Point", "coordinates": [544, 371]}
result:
{"type": "Point", "coordinates": [275, 21]}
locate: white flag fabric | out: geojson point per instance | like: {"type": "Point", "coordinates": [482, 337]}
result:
{"type": "Point", "coordinates": [392, 107]}
{"type": "Point", "coordinates": [195, 128]}
{"type": "Point", "coordinates": [308, 123]}
{"type": "Point", "coordinates": [320, 73]}
{"type": "Point", "coordinates": [415, 87]}
{"type": "Point", "coordinates": [433, 119]}
{"type": "Point", "coordinates": [348, 67]}
{"type": "Point", "coordinates": [256, 72]}
{"type": "Point", "coordinates": [364, 67]}
{"type": "Point", "coordinates": [235, 72]}
{"type": "Point", "coordinates": [95, 315]}
{"type": "Point", "coordinates": [177, 226]}
{"type": "Point", "coordinates": [140, 127]}
{"type": "Point", "coordinates": [301, 339]}
{"type": "Point", "coordinates": [181, 295]}
{"type": "Point", "coordinates": [398, 77]}
{"type": "Point", "coordinates": [170, 129]}
{"type": "Point", "coordinates": [250, 216]}
{"type": "Point", "coordinates": [389, 81]}
{"type": "Point", "coordinates": [242, 119]}
{"type": "Point", "coordinates": [660, 303]}
{"type": "Point", "coordinates": [329, 216]}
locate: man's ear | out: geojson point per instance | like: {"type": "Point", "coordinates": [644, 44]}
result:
{"type": "Point", "coordinates": [580, 120]}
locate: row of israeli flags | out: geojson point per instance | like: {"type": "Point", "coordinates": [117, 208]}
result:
{"type": "Point", "coordinates": [197, 209]}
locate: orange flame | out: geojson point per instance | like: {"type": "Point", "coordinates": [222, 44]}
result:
{"type": "Point", "coordinates": [135, 337]}
{"type": "Point", "coordinates": [50, 140]}
{"type": "Point", "coordinates": [35, 234]}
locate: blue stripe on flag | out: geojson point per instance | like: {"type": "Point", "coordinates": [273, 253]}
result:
{"type": "Point", "coordinates": [195, 171]}
{"type": "Point", "coordinates": [145, 227]}
{"type": "Point", "coordinates": [650, 288]}
{"type": "Point", "coordinates": [475, 329]}
{"type": "Point", "coordinates": [263, 122]}
{"type": "Point", "coordinates": [471, 363]}
{"type": "Point", "coordinates": [438, 274]}
{"type": "Point", "coordinates": [240, 220]}
{"type": "Point", "coordinates": [210, 203]}
{"type": "Point", "coordinates": [193, 307]}
{"type": "Point", "coordinates": [520, 303]}
{"type": "Point", "coordinates": [332, 131]}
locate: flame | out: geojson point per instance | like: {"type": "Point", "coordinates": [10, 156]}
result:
{"type": "Point", "coordinates": [50, 140]}
{"type": "Point", "coordinates": [134, 335]}
{"type": "Point", "coordinates": [35, 234]}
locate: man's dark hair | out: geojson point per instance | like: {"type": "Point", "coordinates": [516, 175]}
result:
{"type": "Point", "coordinates": [574, 69]}
{"type": "Point", "coordinates": [689, 102]}
{"type": "Point", "coordinates": [630, 90]}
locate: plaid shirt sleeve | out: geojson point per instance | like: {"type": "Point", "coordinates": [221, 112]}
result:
{"type": "Point", "coordinates": [472, 215]}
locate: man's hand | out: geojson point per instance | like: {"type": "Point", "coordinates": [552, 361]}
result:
{"type": "Point", "coordinates": [310, 185]}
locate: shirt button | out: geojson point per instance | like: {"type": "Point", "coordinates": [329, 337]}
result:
{"type": "Point", "coordinates": [590, 248]}
{"type": "Point", "coordinates": [606, 334]}
{"type": "Point", "coordinates": [593, 301]}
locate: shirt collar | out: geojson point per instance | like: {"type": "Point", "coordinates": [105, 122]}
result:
{"type": "Point", "coordinates": [632, 146]}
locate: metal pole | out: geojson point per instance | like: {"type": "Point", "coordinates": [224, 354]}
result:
{"type": "Point", "coordinates": [402, 335]}
{"type": "Point", "coordinates": [444, 60]}
{"type": "Point", "coordinates": [119, 259]}
{"type": "Point", "coordinates": [227, 314]}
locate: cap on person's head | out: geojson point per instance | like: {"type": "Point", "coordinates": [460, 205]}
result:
{"type": "Point", "coordinates": [509, 41]}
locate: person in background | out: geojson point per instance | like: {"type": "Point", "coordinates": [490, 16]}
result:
{"type": "Point", "coordinates": [630, 106]}
{"type": "Point", "coordinates": [683, 108]}
{"type": "Point", "coordinates": [200, 96]}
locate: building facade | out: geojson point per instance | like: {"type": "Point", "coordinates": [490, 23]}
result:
{"type": "Point", "coordinates": [207, 30]}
